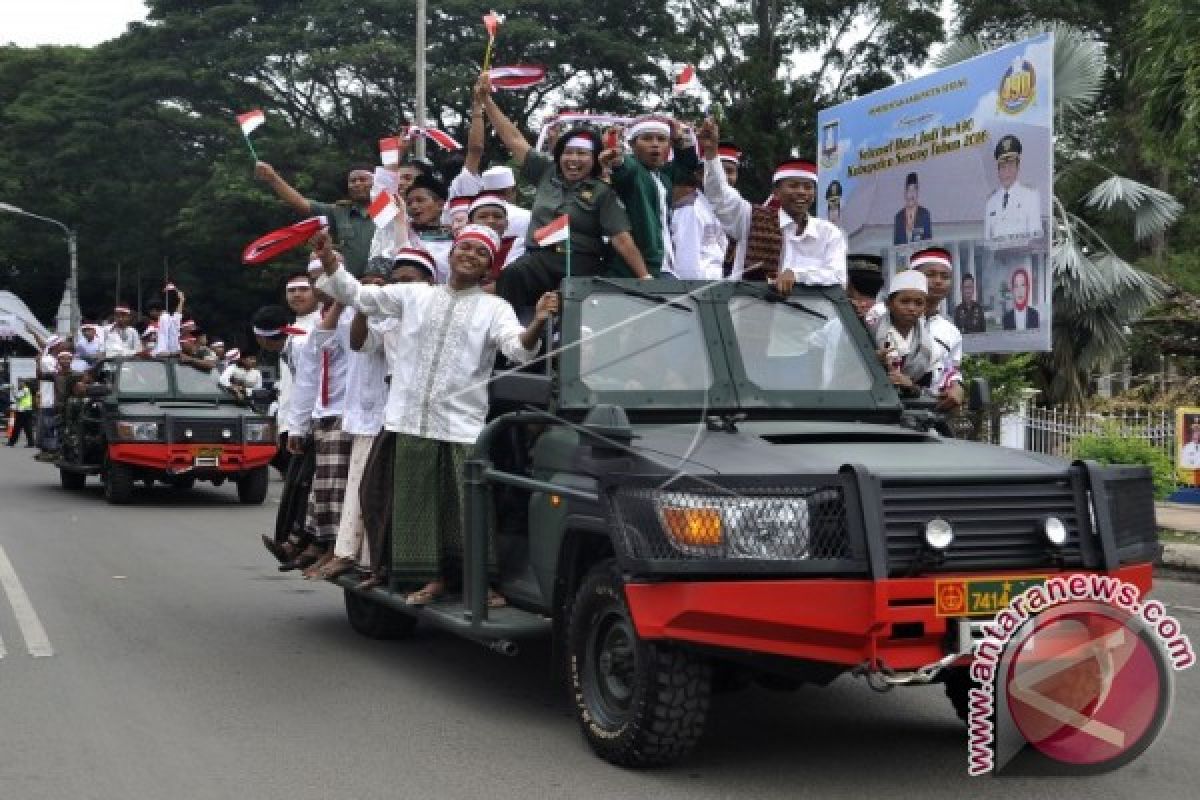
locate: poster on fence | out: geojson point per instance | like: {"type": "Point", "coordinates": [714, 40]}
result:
{"type": "Point", "coordinates": [1187, 445]}
{"type": "Point", "coordinates": [962, 159]}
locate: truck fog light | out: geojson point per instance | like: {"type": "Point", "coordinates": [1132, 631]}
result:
{"type": "Point", "coordinates": [1055, 530]}
{"type": "Point", "coordinates": [938, 533]}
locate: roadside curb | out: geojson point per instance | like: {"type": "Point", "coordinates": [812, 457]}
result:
{"type": "Point", "coordinates": [1180, 556]}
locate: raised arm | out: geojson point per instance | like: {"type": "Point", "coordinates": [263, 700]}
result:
{"type": "Point", "coordinates": [345, 288]}
{"type": "Point", "coordinates": [512, 138]}
{"type": "Point", "coordinates": [477, 135]}
{"type": "Point", "coordinates": [730, 208]}
{"type": "Point", "coordinates": [282, 189]}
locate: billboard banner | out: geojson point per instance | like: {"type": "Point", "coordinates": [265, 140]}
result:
{"type": "Point", "coordinates": [962, 159]}
{"type": "Point", "coordinates": [1187, 445]}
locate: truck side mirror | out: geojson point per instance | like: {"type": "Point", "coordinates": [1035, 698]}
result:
{"type": "Point", "coordinates": [979, 395]}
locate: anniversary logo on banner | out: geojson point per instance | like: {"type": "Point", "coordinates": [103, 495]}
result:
{"type": "Point", "coordinates": [963, 159]}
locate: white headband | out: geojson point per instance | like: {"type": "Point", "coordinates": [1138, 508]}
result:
{"type": "Point", "coordinates": [122, 310]}
{"type": "Point", "coordinates": [580, 143]}
{"type": "Point", "coordinates": [296, 283]}
{"type": "Point", "coordinates": [267, 333]}
{"type": "Point", "coordinates": [648, 126]}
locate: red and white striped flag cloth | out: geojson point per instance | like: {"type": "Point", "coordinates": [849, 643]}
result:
{"type": "Point", "coordinates": [389, 151]}
{"type": "Point", "coordinates": [443, 139]}
{"type": "Point", "coordinates": [519, 77]}
{"type": "Point", "coordinates": [383, 209]}
{"type": "Point", "coordinates": [557, 231]}
{"type": "Point", "coordinates": [251, 120]}
{"type": "Point", "coordinates": [686, 80]}
{"type": "Point", "coordinates": [492, 22]}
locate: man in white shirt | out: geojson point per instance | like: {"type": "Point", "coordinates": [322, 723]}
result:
{"type": "Point", "coordinates": [937, 264]}
{"type": "Point", "coordinates": [47, 420]}
{"type": "Point", "coordinates": [122, 338]}
{"type": "Point", "coordinates": [88, 344]}
{"type": "Point", "coordinates": [788, 241]}
{"type": "Point", "coordinates": [437, 401]}
{"type": "Point", "coordinates": [699, 239]}
{"type": "Point", "coordinates": [1014, 212]}
{"type": "Point", "coordinates": [170, 323]}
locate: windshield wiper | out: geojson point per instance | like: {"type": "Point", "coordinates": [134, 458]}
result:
{"type": "Point", "coordinates": [644, 295]}
{"type": "Point", "coordinates": [773, 296]}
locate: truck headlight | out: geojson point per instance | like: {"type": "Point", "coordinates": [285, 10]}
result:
{"type": "Point", "coordinates": [139, 431]}
{"type": "Point", "coordinates": [1055, 531]}
{"type": "Point", "coordinates": [758, 528]}
{"type": "Point", "coordinates": [260, 432]}
{"type": "Point", "coordinates": [938, 534]}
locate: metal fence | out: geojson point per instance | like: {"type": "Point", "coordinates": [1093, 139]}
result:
{"type": "Point", "coordinates": [1053, 431]}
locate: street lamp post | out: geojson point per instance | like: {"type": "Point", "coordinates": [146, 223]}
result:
{"type": "Point", "coordinates": [72, 252]}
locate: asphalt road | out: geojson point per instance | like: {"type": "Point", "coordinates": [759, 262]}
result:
{"type": "Point", "coordinates": [183, 664]}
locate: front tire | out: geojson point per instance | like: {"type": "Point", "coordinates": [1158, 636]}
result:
{"type": "Point", "coordinates": [375, 620]}
{"type": "Point", "coordinates": [958, 683]}
{"type": "Point", "coordinates": [639, 703]}
{"type": "Point", "coordinates": [252, 487]}
{"type": "Point", "coordinates": [118, 484]}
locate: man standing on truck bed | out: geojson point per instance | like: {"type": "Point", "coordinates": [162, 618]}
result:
{"type": "Point", "coordinates": [438, 404]}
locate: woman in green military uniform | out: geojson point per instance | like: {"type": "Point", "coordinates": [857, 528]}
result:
{"type": "Point", "coordinates": [568, 182]}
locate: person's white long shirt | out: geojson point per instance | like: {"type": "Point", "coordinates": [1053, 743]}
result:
{"type": "Point", "coordinates": [815, 255]}
{"type": "Point", "coordinates": [291, 349]}
{"type": "Point", "coordinates": [699, 240]}
{"type": "Point", "coordinates": [166, 343]}
{"type": "Point", "coordinates": [122, 342]}
{"type": "Point", "coordinates": [320, 387]}
{"type": "Point", "coordinates": [442, 355]}
{"type": "Point", "coordinates": [366, 387]}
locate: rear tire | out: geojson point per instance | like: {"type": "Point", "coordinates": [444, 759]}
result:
{"type": "Point", "coordinates": [639, 703]}
{"type": "Point", "coordinates": [118, 484]}
{"type": "Point", "coordinates": [252, 487]}
{"type": "Point", "coordinates": [72, 480]}
{"type": "Point", "coordinates": [375, 620]}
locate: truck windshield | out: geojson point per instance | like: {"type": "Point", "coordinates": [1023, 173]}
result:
{"type": "Point", "coordinates": [192, 381]}
{"type": "Point", "coordinates": [628, 343]}
{"type": "Point", "coordinates": [784, 348]}
{"type": "Point", "coordinates": [143, 377]}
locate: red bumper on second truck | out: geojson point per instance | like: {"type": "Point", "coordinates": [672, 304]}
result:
{"type": "Point", "coordinates": [182, 458]}
{"type": "Point", "coordinates": [838, 621]}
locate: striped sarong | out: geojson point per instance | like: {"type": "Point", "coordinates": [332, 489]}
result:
{"type": "Point", "coordinates": [332, 447]}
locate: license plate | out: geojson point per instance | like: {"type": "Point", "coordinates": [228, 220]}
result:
{"type": "Point", "coordinates": [980, 597]}
{"type": "Point", "coordinates": [206, 461]}
{"type": "Point", "coordinates": [207, 452]}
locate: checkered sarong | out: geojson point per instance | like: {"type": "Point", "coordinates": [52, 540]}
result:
{"type": "Point", "coordinates": [329, 482]}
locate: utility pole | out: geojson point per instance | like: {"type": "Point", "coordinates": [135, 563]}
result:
{"type": "Point", "coordinates": [419, 116]}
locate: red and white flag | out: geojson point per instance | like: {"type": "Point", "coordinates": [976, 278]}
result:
{"type": "Point", "coordinates": [443, 139]}
{"type": "Point", "coordinates": [251, 120]}
{"type": "Point", "coordinates": [492, 22]}
{"type": "Point", "coordinates": [686, 80]}
{"type": "Point", "coordinates": [383, 209]}
{"type": "Point", "coordinates": [389, 151]}
{"type": "Point", "coordinates": [518, 77]}
{"type": "Point", "coordinates": [557, 231]}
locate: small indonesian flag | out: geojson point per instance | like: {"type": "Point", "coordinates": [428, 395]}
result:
{"type": "Point", "coordinates": [686, 80]}
{"type": "Point", "coordinates": [389, 151]}
{"type": "Point", "coordinates": [383, 209]}
{"type": "Point", "coordinates": [251, 120]}
{"type": "Point", "coordinates": [557, 231]}
{"type": "Point", "coordinates": [264, 248]}
{"type": "Point", "coordinates": [443, 139]}
{"type": "Point", "coordinates": [492, 21]}
{"type": "Point", "coordinates": [518, 77]}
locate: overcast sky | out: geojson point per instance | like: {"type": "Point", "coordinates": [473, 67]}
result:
{"type": "Point", "coordinates": [81, 22]}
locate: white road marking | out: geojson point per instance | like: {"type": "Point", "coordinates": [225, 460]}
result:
{"type": "Point", "coordinates": [1186, 609]}
{"type": "Point", "coordinates": [2, 652]}
{"type": "Point", "coordinates": [27, 619]}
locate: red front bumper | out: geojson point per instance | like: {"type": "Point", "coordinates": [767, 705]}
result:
{"type": "Point", "coordinates": [181, 458]}
{"type": "Point", "coordinates": [826, 620]}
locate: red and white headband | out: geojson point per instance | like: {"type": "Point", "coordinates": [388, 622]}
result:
{"type": "Point", "coordinates": [416, 257]}
{"type": "Point", "coordinates": [648, 125]}
{"type": "Point", "coordinates": [730, 154]}
{"type": "Point", "coordinates": [931, 256]}
{"type": "Point", "coordinates": [481, 234]}
{"type": "Point", "coordinates": [299, 283]}
{"type": "Point", "coordinates": [286, 330]}
{"type": "Point", "coordinates": [580, 143]}
{"type": "Point", "coordinates": [122, 310]}
{"type": "Point", "coordinates": [795, 169]}
{"type": "Point", "coordinates": [488, 199]}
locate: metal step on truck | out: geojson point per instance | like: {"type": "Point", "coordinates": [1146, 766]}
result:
{"type": "Point", "coordinates": [711, 484]}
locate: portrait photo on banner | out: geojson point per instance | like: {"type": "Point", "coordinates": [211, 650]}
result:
{"type": "Point", "coordinates": [1187, 445]}
{"type": "Point", "coordinates": [961, 159]}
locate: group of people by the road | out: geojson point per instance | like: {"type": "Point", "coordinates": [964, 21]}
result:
{"type": "Point", "coordinates": [389, 338]}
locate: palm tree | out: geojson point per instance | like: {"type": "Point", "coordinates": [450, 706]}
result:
{"type": "Point", "coordinates": [1097, 293]}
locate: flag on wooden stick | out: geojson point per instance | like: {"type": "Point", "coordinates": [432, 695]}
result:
{"type": "Point", "coordinates": [249, 122]}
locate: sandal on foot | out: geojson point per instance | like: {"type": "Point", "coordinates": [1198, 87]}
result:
{"type": "Point", "coordinates": [495, 599]}
{"type": "Point", "coordinates": [336, 567]}
{"type": "Point", "coordinates": [426, 594]}
{"type": "Point", "coordinates": [314, 570]}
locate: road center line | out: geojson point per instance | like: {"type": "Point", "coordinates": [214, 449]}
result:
{"type": "Point", "coordinates": [27, 619]}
